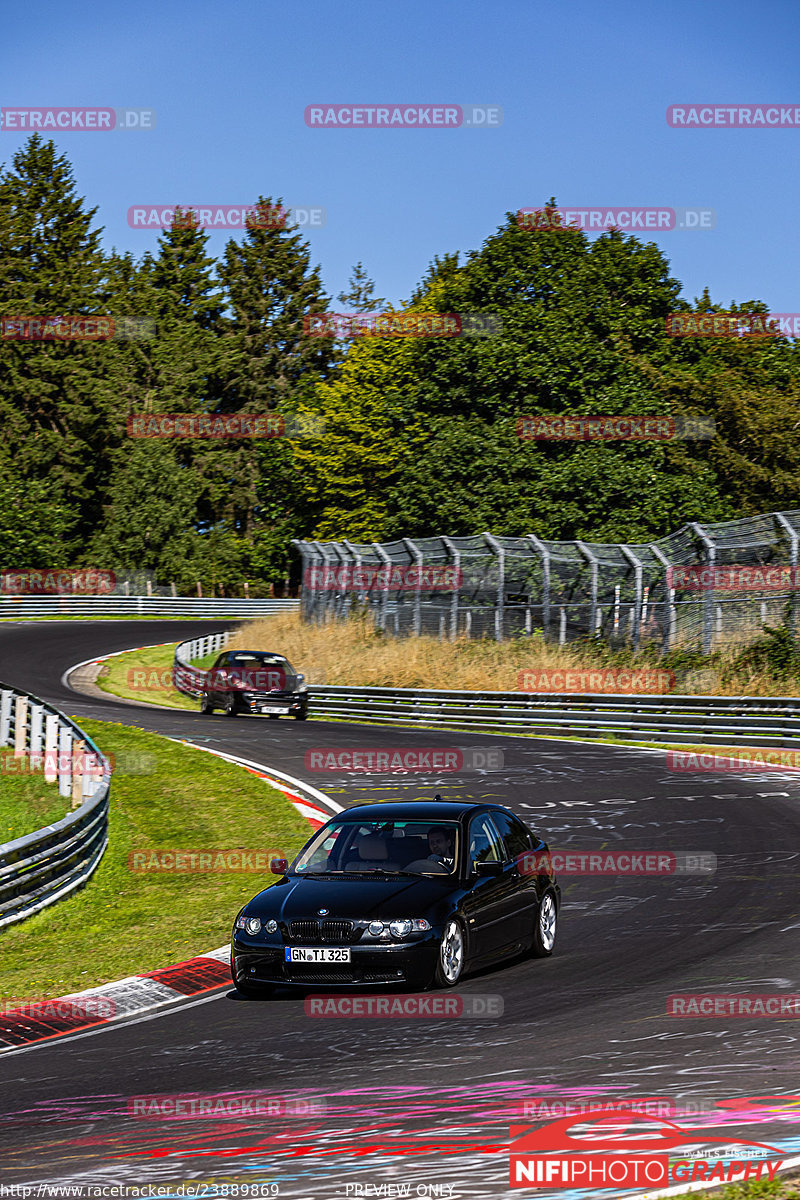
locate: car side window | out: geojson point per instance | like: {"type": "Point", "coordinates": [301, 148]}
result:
{"type": "Point", "coordinates": [515, 836]}
{"type": "Point", "coordinates": [484, 843]}
{"type": "Point", "coordinates": [219, 661]}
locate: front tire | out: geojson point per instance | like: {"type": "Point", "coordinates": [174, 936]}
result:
{"type": "Point", "coordinates": [450, 963]}
{"type": "Point", "coordinates": [206, 707]}
{"type": "Point", "coordinates": [230, 706]}
{"type": "Point", "coordinates": [301, 716]}
{"type": "Point", "coordinates": [544, 934]}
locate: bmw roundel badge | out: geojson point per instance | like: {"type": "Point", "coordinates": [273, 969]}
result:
{"type": "Point", "coordinates": [322, 912]}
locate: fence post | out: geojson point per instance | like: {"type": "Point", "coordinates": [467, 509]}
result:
{"type": "Point", "coordinates": [792, 532]}
{"type": "Point", "coordinates": [416, 553]}
{"type": "Point", "coordinates": [37, 714]}
{"type": "Point", "coordinates": [326, 578]}
{"type": "Point", "coordinates": [356, 579]}
{"type": "Point", "coordinates": [545, 553]}
{"type": "Point", "coordinates": [708, 603]}
{"type": "Point", "coordinates": [637, 612]}
{"type": "Point", "coordinates": [6, 696]}
{"type": "Point", "coordinates": [20, 726]}
{"type": "Point", "coordinates": [78, 765]}
{"type": "Point", "coordinates": [592, 560]}
{"type": "Point", "coordinates": [499, 610]}
{"type": "Point", "coordinates": [64, 758]}
{"type": "Point", "coordinates": [456, 555]}
{"type": "Point", "coordinates": [50, 748]}
{"type": "Point", "coordinates": [667, 625]}
{"type": "Point", "coordinates": [387, 565]}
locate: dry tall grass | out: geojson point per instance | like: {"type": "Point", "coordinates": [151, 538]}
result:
{"type": "Point", "coordinates": [354, 653]}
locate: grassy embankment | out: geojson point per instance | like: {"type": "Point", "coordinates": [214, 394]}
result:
{"type": "Point", "coordinates": [354, 653]}
{"type": "Point", "coordinates": [124, 922]}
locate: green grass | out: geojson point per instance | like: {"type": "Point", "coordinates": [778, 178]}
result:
{"type": "Point", "coordinates": [126, 922]}
{"type": "Point", "coordinates": [26, 802]}
{"type": "Point", "coordinates": [146, 675]}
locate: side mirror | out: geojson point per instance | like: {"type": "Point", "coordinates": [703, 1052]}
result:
{"type": "Point", "coordinates": [488, 868]}
{"type": "Point", "coordinates": [279, 866]}
{"type": "Point", "coordinates": [301, 678]}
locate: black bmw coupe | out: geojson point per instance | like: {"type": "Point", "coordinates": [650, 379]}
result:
{"type": "Point", "coordinates": [406, 894]}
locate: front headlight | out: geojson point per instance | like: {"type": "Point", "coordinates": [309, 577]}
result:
{"type": "Point", "coordinates": [251, 925]}
{"type": "Point", "coordinates": [400, 929]}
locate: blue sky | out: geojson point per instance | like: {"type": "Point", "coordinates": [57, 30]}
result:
{"type": "Point", "coordinates": [584, 87]}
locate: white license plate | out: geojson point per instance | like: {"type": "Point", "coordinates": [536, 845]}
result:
{"type": "Point", "coordinates": [315, 954]}
{"type": "Point", "coordinates": [277, 711]}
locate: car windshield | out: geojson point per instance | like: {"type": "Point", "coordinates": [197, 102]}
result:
{"type": "Point", "coordinates": [350, 846]}
{"type": "Point", "coordinates": [253, 659]}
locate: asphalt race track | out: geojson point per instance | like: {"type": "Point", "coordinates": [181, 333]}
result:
{"type": "Point", "coordinates": [428, 1102]}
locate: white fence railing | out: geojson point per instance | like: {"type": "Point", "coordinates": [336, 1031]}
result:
{"type": "Point", "coordinates": [42, 867]}
{"type": "Point", "coordinates": [33, 607]}
{"type": "Point", "coordinates": [189, 679]}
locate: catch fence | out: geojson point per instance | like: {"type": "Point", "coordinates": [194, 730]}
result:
{"type": "Point", "coordinates": [699, 587]}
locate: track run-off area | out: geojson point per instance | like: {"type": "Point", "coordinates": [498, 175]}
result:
{"type": "Point", "coordinates": [427, 1102]}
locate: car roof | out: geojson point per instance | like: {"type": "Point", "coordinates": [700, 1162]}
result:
{"type": "Point", "coordinates": [274, 653]}
{"type": "Point", "coordinates": [424, 810]}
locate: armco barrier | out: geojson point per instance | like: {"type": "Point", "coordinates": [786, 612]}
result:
{"type": "Point", "coordinates": [33, 607]}
{"type": "Point", "coordinates": [714, 720]}
{"type": "Point", "coordinates": [42, 867]}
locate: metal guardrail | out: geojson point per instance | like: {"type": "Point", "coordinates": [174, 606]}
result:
{"type": "Point", "coordinates": [31, 607]}
{"type": "Point", "coordinates": [721, 721]}
{"type": "Point", "coordinates": [43, 867]}
{"type": "Point", "coordinates": [189, 679]}
{"type": "Point", "coordinates": [712, 720]}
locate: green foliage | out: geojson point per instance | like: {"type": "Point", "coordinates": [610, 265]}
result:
{"type": "Point", "coordinates": [777, 652]}
{"type": "Point", "coordinates": [420, 434]}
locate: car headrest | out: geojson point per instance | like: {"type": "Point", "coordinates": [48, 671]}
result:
{"type": "Point", "coordinates": [372, 848]}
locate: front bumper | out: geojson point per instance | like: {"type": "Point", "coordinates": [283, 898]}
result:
{"type": "Point", "coordinates": [370, 966]}
{"type": "Point", "coordinates": [266, 702]}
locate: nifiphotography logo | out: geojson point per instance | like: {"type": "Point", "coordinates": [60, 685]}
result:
{"type": "Point", "coordinates": [549, 1156]}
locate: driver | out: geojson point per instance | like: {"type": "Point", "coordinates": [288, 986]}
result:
{"type": "Point", "coordinates": [441, 843]}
